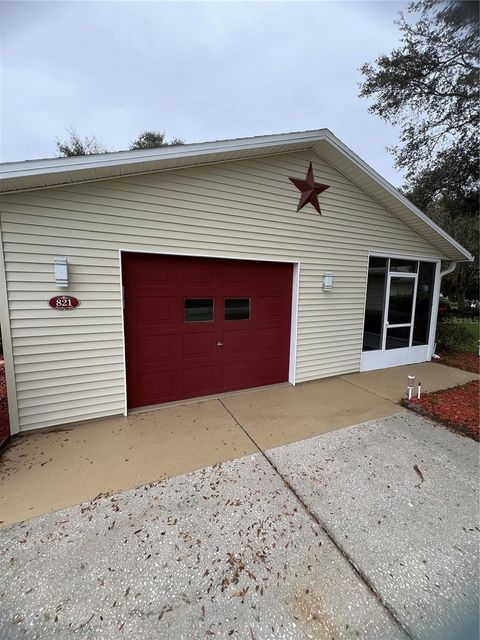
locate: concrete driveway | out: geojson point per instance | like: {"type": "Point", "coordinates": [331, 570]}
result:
{"type": "Point", "coordinates": [44, 472]}
{"type": "Point", "coordinates": [365, 532]}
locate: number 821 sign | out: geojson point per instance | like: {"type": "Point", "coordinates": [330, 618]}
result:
{"type": "Point", "coordinates": [64, 303]}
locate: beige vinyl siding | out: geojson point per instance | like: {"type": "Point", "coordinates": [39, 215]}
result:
{"type": "Point", "coordinates": [69, 365]}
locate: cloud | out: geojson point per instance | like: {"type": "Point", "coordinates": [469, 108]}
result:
{"type": "Point", "coordinates": [198, 70]}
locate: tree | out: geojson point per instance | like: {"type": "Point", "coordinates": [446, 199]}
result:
{"type": "Point", "coordinates": [448, 193]}
{"type": "Point", "coordinates": [153, 140]}
{"type": "Point", "coordinates": [429, 88]}
{"type": "Point", "coordinates": [75, 146]}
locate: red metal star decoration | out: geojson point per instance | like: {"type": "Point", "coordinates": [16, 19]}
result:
{"type": "Point", "coordinates": [310, 190]}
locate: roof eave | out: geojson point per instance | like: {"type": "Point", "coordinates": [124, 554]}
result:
{"type": "Point", "coordinates": [341, 148]}
{"type": "Point", "coordinates": [12, 170]}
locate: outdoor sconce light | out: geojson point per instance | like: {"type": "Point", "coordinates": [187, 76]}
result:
{"type": "Point", "coordinates": [327, 280]}
{"type": "Point", "coordinates": [61, 272]}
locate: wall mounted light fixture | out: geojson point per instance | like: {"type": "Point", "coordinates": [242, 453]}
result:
{"type": "Point", "coordinates": [61, 271]}
{"type": "Point", "coordinates": [327, 280]}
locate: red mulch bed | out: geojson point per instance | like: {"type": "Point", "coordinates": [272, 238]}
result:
{"type": "Point", "coordinates": [456, 408]}
{"type": "Point", "coordinates": [461, 360]}
{"type": "Point", "coordinates": [4, 424]}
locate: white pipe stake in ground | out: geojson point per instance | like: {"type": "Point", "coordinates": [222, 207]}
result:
{"type": "Point", "coordinates": [419, 390]}
{"type": "Point", "coordinates": [411, 380]}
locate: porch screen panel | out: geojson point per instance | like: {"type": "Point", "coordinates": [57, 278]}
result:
{"type": "Point", "coordinates": [397, 338]}
{"type": "Point", "coordinates": [401, 300]}
{"type": "Point", "coordinates": [375, 304]}
{"type": "Point", "coordinates": [423, 306]}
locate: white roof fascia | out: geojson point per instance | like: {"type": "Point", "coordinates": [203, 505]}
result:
{"type": "Point", "coordinates": [351, 155]}
{"type": "Point", "coordinates": [10, 170]}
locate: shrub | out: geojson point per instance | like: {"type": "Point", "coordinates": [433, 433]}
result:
{"type": "Point", "coordinates": [467, 314]}
{"type": "Point", "coordinates": [455, 336]}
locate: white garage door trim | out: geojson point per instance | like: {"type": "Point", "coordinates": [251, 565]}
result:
{"type": "Point", "coordinates": [294, 319]}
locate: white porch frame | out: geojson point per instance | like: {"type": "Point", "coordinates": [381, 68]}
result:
{"type": "Point", "coordinates": [7, 346]}
{"type": "Point", "coordinates": [292, 366]}
{"type": "Point", "coordinates": [384, 358]}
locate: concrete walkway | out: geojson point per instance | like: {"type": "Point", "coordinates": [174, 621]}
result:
{"type": "Point", "coordinates": [365, 532]}
{"type": "Point", "coordinates": [390, 384]}
{"type": "Point", "coordinates": [46, 471]}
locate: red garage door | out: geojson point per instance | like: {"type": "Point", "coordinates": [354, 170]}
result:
{"type": "Point", "coordinates": [199, 326]}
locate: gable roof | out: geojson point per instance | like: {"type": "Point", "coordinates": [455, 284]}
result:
{"type": "Point", "coordinates": [51, 172]}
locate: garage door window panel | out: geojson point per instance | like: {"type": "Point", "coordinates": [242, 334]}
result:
{"type": "Point", "coordinates": [237, 309]}
{"type": "Point", "coordinates": [198, 310]}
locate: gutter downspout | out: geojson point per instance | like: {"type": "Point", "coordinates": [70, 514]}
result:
{"type": "Point", "coordinates": [450, 269]}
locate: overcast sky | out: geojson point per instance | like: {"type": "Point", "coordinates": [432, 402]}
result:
{"type": "Point", "coordinates": [198, 70]}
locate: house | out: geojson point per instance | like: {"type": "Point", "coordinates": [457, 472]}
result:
{"type": "Point", "coordinates": [142, 277]}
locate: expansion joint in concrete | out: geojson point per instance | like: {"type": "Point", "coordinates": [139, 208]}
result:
{"type": "Point", "coordinates": [357, 570]}
{"type": "Point", "coordinates": [373, 393]}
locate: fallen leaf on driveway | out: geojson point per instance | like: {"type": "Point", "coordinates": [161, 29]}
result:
{"type": "Point", "coordinates": [420, 475]}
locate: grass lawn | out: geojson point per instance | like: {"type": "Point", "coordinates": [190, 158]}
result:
{"type": "Point", "coordinates": [466, 358]}
{"type": "Point", "coordinates": [474, 329]}
{"type": "Point", "coordinates": [457, 334]}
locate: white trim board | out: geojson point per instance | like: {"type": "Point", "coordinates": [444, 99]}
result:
{"type": "Point", "coordinates": [7, 346]}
